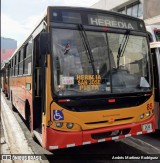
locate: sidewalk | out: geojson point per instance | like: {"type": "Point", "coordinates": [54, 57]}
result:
{"type": "Point", "coordinates": [14, 135]}
{"type": "Point", "coordinates": [3, 145]}
{"type": "Point", "coordinates": [16, 142]}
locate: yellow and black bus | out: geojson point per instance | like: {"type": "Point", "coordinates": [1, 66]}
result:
{"type": "Point", "coordinates": [84, 76]}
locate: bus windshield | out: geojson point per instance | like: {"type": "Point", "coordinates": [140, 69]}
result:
{"type": "Point", "coordinates": [78, 72]}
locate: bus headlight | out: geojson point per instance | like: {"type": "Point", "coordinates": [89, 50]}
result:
{"type": "Point", "coordinates": [148, 114]}
{"type": "Point", "coordinates": [69, 125]}
{"type": "Point", "coordinates": [59, 124]}
{"type": "Point", "coordinates": [142, 116]}
{"type": "Point", "coordinates": [66, 126]}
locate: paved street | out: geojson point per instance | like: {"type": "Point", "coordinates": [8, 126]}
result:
{"type": "Point", "coordinates": [152, 139]}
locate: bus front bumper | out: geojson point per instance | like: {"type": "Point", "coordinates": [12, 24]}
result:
{"type": "Point", "coordinates": [57, 139]}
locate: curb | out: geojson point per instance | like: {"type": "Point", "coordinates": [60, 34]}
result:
{"type": "Point", "coordinates": [5, 150]}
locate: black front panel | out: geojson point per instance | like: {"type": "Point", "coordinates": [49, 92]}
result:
{"type": "Point", "coordinates": [95, 104]}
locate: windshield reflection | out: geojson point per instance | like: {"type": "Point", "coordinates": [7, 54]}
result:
{"type": "Point", "coordinates": [73, 71]}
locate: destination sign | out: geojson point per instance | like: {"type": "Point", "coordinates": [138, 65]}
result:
{"type": "Point", "coordinates": [86, 17]}
{"type": "Point", "coordinates": [113, 21]}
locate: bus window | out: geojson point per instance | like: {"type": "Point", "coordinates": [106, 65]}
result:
{"type": "Point", "coordinates": [16, 64]}
{"type": "Point", "coordinates": [75, 62]}
{"type": "Point", "coordinates": [134, 64]}
{"type": "Point", "coordinates": [10, 67]}
{"type": "Point", "coordinates": [28, 58]}
{"type": "Point", "coordinates": [21, 63]}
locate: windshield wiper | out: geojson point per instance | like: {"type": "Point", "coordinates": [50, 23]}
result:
{"type": "Point", "coordinates": [122, 47]}
{"type": "Point", "coordinates": [89, 51]}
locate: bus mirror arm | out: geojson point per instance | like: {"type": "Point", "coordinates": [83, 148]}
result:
{"type": "Point", "coordinates": [44, 43]}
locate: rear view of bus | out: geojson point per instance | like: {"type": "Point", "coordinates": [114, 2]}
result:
{"type": "Point", "coordinates": [98, 78]}
{"type": "Point", "coordinates": [154, 32]}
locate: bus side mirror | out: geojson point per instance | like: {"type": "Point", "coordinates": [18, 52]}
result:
{"type": "Point", "coordinates": [44, 43]}
{"type": "Point", "coordinates": [150, 37]}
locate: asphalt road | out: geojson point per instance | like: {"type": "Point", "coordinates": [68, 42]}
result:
{"type": "Point", "coordinates": [151, 138]}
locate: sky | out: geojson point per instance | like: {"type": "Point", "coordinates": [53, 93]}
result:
{"type": "Point", "coordinates": [18, 17]}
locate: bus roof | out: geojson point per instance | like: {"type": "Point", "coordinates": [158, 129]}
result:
{"type": "Point", "coordinates": [98, 17]}
{"type": "Point", "coordinates": [71, 9]}
{"type": "Point", "coordinates": [93, 10]}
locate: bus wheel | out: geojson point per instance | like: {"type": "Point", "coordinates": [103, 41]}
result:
{"type": "Point", "coordinates": [13, 107]}
{"type": "Point", "coordinates": [28, 117]}
{"type": "Point", "coordinates": [6, 95]}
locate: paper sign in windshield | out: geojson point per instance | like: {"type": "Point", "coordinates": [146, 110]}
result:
{"type": "Point", "coordinates": [67, 80]}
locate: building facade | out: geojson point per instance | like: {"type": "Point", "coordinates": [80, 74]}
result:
{"type": "Point", "coordinates": [8, 46]}
{"type": "Point", "coordinates": [148, 10]}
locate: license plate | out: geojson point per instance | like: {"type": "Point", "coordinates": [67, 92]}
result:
{"type": "Point", "coordinates": [147, 127]}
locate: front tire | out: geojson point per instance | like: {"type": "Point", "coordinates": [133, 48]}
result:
{"type": "Point", "coordinates": [28, 117]}
{"type": "Point", "coordinates": [13, 107]}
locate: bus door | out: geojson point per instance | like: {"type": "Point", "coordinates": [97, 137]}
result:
{"type": "Point", "coordinates": [38, 84]}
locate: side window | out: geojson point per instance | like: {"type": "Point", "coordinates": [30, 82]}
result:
{"type": "Point", "coordinates": [16, 65]}
{"type": "Point", "coordinates": [20, 68]}
{"type": "Point", "coordinates": [28, 57]}
{"type": "Point", "coordinates": [36, 50]}
{"type": "Point", "coordinates": [12, 70]}
{"type": "Point", "coordinates": [11, 67]}
{"type": "Point", "coordinates": [17, 58]}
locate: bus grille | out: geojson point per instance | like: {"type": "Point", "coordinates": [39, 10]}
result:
{"type": "Point", "coordinates": [90, 123]}
{"type": "Point", "coordinates": [99, 122]}
{"type": "Point", "coordinates": [110, 134]}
